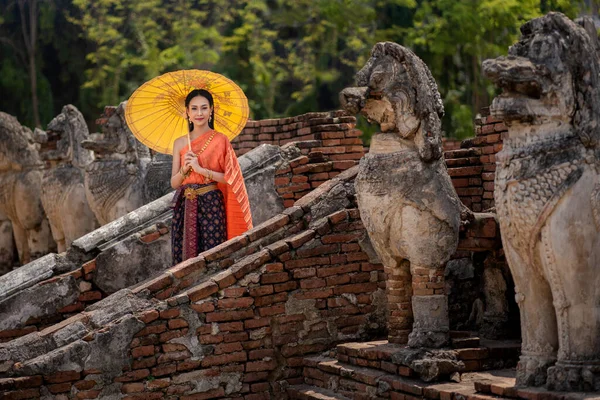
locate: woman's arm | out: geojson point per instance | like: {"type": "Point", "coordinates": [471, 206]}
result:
{"type": "Point", "coordinates": [192, 160]}
{"type": "Point", "coordinates": [176, 170]}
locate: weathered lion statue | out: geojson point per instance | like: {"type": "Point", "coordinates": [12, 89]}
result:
{"type": "Point", "coordinates": [406, 199]}
{"type": "Point", "coordinates": [20, 190]}
{"type": "Point", "coordinates": [117, 181]}
{"type": "Point", "coordinates": [548, 197]}
{"type": "Point", "coordinates": [63, 192]}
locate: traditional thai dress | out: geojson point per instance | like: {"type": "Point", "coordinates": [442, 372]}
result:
{"type": "Point", "coordinates": [207, 213]}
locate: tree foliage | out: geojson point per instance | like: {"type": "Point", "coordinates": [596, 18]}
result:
{"type": "Point", "coordinates": [289, 56]}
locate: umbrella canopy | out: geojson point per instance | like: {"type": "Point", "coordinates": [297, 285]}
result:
{"type": "Point", "coordinates": [155, 112]}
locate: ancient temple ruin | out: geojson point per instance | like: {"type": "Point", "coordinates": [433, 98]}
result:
{"type": "Point", "coordinates": [379, 279]}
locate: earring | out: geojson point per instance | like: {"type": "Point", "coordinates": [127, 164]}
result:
{"type": "Point", "coordinates": [210, 118]}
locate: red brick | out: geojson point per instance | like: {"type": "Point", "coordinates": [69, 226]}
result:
{"type": "Point", "coordinates": [261, 290]}
{"type": "Point", "coordinates": [300, 239]}
{"type": "Point", "coordinates": [134, 375]}
{"type": "Point", "coordinates": [171, 347]}
{"type": "Point", "coordinates": [204, 307]}
{"type": "Point", "coordinates": [165, 369]}
{"type": "Point", "coordinates": [267, 300]}
{"type": "Point", "coordinates": [274, 310]}
{"type": "Point", "coordinates": [256, 323]}
{"type": "Point", "coordinates": [89, 266]}
{"type": "Point", "coordinates": [307, 262]}
{"type": "Point", "coordinates": [173, 356]}
{"type": "Point", "coordinates": [260, 354]}
{"type": "Point", "coordinates": [63, 376]}
{"type": "Point", "coordinates": [312, 283]}
{"type": "Point", "coordinates": [229, 316]}
{"type": "Point", "coordinates": [132, 387]}
{"type": "Point", "coordinates": [224, 359]}
{"type": "Point", "coordinates": [284, 287]}
{"type": "Point", "coordinates": [202, 291]}
{"type": "Point", "coordinates": [165, 337]}
{"type": "Point", "coordinates": [177, 323]}
{"type": "Point", "coordinates": [148, 316]}
{"type": "Point", "coordinates": [240, 302]}
{"type": "Point", "coordinates": [342, 269]}
{"type": "Point", "coordinates": [169, 313]}
{"type": "Point", "coordinates": [234, 292]}
{"type": "Point", "coordinates": [88, 394]}
{"type": "Point", "coordinates": [228, 348]}
{"type": "Point", "coordinates": [277, 277]}
{"type": "Point", "coordinates": [90, 296]}
{"type": "Point", "coordinates": [144, 363]}
{"type": "Point", "coordinates": [224, 279]}
{"type": "Point", "coordinates": [143, 351]}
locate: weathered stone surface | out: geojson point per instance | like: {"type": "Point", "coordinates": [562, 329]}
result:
{"type": "Point", "coordinates": [20, 190]}
{"type": "Point", "coordinates": [63, 192]}
{"type": "Point", "coordinates": [131, 261]}
{"type": "Point", "coordinates": [36, 301]}
{"type": "Point", "coordinates": [114, 307]}
{"type": "Point", "coordinates": [406, 199]}
{"type": "Point", "coordinates": [431, 329]}
{"type": "Point", "coordinates": [32, 273]}
{"type": "Point", "coordinates": [547, 197]}
{"type": "Point", "coordinates": [8, 252]}
{"type": "Point", "coordinates": [431, 365]}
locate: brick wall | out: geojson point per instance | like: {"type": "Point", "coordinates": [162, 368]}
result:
{"type": "Point", "coordinates": [472, 167]}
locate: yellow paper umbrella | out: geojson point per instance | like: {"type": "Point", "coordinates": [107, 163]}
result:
{"type": "Point", "coordinates": [155, 112]}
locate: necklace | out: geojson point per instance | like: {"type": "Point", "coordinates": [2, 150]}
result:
{"type": "Point", "coordinates": [207, 143]}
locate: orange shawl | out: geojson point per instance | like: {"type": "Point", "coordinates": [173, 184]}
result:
{"type": "Point", "coordinates": [220, 157]}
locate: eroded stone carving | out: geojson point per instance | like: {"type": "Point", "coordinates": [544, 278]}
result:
{"type": "Point", "coordinates": [406, 199]}
{"type": "Point", "coordinates": [116, 181]}
{"type": "Point", "coordinates": [20, 189]}
{"type": "Point", "coordinates": [63, 192]}
{"type": "Point", "coordinates": [547, 197]}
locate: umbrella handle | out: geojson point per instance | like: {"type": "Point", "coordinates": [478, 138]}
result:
{"type": "Point", "coordinates": [189, 142]}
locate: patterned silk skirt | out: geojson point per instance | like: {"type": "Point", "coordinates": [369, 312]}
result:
{"type": "Point", "coordinates": [199, 220]}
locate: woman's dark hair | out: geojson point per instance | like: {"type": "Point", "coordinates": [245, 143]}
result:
{"type": "Point", "coordinates": [206, 94]}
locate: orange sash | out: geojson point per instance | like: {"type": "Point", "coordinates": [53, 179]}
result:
{"type": "Point", "coordinates": [220, 157]}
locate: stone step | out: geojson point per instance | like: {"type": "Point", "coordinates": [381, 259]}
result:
{"type": "Point", "coordinates": [361, 383]}
{"type": "Point", "coordinates": [505, 386]}
{"type": "Point", "coordinates": [306, 392]}
{"type": "Point", "coordinates": [462, 343]}
{"type": "Point", "coordinates": [477, 354]}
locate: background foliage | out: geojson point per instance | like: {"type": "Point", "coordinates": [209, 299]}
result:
{"type": "Point", "coordinates": [289, 56]}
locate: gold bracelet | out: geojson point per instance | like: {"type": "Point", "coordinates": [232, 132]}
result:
{"type": "Point", "coordinates": [184, 174]}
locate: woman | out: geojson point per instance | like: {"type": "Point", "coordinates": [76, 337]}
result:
{"type": "Point", "coordinates": [211, 203]}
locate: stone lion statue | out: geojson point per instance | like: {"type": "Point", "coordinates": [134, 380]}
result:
{"type": "Point", "coordinates": [548, 197]}
{"type": "Point", "coordinates": [20, 190]}
{"type": "Point", "coordinates": [406, 199]}
{"type": "Point", "coordinates": [63, 192]}
{"type": "Point", "coordinates": [115, 180]}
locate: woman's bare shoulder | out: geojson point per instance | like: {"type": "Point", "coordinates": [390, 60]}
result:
{"type": "Point", "coordinates": [178, 144]}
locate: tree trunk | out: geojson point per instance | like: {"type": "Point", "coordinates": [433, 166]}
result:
{"type": "Point", "coordinates": [30, 39]}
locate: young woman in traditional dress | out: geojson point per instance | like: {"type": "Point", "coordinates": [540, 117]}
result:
{"type": "Point", "coordinates": [211, 203]}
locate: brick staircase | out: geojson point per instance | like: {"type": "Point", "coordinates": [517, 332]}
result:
{"type": "Point", "coordinates": [361, 371]}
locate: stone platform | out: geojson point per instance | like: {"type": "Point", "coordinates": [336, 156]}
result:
{"type": "Point", "coordinates": [377, 370]}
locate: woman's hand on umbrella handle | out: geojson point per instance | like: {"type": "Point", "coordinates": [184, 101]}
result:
{"type": "Point", "coordinates": [191, 160]}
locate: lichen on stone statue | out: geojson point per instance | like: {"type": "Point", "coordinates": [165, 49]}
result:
{"type": "Point", "coordinates": [116, 181]}
{"type": "Point", "coordinates": [406, 199]}
{"type": "Point", "coordinates": [20, 190]}
{"type": "Point", "coordinates": [63, 192]}
{"type": "Point", "coordinates": [548, 197]}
